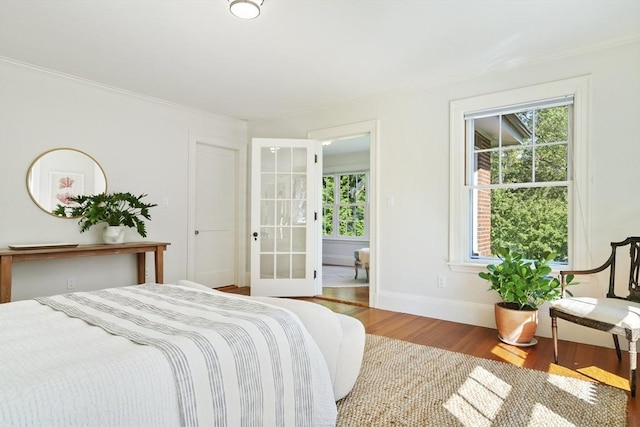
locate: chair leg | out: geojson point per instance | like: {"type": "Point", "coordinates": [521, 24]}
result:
{"type": "Point", "coordinates": [616, 342]}
{"type": "Point", "coordinates": [554, 334]}
{"type": "Point", "coordinates": [633, 361]}
{"type": "Point", "coordinates": [356, 267]}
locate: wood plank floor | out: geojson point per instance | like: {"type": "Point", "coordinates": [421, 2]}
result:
{"type": "Point", "coordinates": [576, 360]}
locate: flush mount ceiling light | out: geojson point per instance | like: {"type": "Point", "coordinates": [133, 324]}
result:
{"type": "Point", "coordinates": [245, 9]}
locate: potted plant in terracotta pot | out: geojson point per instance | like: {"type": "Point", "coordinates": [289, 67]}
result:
{"type": "Point", "coordinates": [523, 285]}
{"type": "Point", "coordinates": [116, 210]}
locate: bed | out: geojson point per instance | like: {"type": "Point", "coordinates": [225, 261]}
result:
{"type": "Point", "coordinates": [167, 355]}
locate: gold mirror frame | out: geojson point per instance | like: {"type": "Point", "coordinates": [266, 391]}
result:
{"type": "Point", "coordinates": [62, 172]}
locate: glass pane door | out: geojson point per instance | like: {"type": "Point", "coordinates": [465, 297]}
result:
{"type": "Point", "coordinates": [283, 252]}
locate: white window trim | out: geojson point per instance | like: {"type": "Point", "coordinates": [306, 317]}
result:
{"type": "Point", "coordinates": [579, 213]}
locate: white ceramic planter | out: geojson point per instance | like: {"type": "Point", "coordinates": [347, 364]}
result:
{"type": "Point", "coordinates": [113, 234]}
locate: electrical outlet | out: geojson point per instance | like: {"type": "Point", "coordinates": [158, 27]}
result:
{"type": "Point", "coordinates": [146, 275]}
{"type": "Point", "coordinates": [442, 281]}
{"type": "Point", "coordinates": [71, 283]}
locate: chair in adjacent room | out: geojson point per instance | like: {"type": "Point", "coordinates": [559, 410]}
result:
{"type": "Point", "coordinates": [614, 314]}
{"type": "Point", "coordinates": [362, 261]}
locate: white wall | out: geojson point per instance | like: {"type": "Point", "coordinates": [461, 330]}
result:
{"type": "Point", "coordinates": [142, 145]}
{"type": "Point", "coordinates": [413, 168]}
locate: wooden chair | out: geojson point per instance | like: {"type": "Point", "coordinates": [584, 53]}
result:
{"type": "Point", "coordinates": [613, 314]}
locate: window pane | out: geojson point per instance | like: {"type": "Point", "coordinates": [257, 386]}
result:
{"type": "Point", "coordinates": [485, 169]}
{"type": "Point", "coordinates": [283, 239]}
{"type": "Point", "coordinates": [283, 266]}
{"type": "Point", "coordinates": [361, 189]}
{"type": "Point", "coordinates": [327, 220]}
{"type": "Point", "coordinates": [268, 186]}
{"type": "Point", "coordinates": [299, 212]}
{"type": "Point", "coordinates": [283, 213]}
{"type": "Point", "coordinates": [551, 163]}
{"type": "Point", "coordinates": [299, 239]}
{"type": "Point", "coordinates": [283, 155]}
{"type": "Point", "coordinates": [352, 222]}
{"type": "Point", "coordinates": [347, 189]}
{"type": "Point", "coordinates": [266, 266]}
{"type": "Point", "coordinates": [531, 220]}
{"type": "Point", "coordinates": [268, 159]}
{"type": "Point", "coordinates": [267, 212]}
{"type": "Point", "coordinates": [552, 125]}
{"type": "Point", "coordinates": [298, 267]}
{"type": "Point", "coordinates": [267, 239]}
{"type": "Point", "coordinates": [283, 186]}
{"type": "Point", "coordinates": [517, 165]}
{"type": "Point", "coordinates": [299, 160]}
{"type": "Point", "coordinates": [522, 126]}
{"type": "Point", "coordinates": [299, 187]}
{"type": "Point", "coordinates": [327, 189]}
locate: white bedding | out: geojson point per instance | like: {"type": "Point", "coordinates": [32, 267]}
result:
{"type": "Point", "coordinates": [58, 370]}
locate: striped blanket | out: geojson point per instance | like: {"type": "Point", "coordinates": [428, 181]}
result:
{"type": "Point", "coordinates": [235, 362]}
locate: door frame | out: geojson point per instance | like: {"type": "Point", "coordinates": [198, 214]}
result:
{"type": "Point", "coordinates": [370, 127]}
{"type": "Point", "coordinates": [241, 190]}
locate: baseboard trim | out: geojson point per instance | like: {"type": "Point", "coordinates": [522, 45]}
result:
{"type": "Point", "coordinates": [482, 315]}
{"type": "Point", "coordinates": [438, 308]}
{"type": "Point", "coordinates": [338, 260]}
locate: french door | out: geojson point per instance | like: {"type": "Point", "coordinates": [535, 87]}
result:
{"type": "Point", "coordinates": [284, 217]}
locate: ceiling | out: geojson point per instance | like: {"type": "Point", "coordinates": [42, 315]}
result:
{"type": "Point", "coordinates": [299, 54]}
{"type": "Point", "coordinates": [347, 145]}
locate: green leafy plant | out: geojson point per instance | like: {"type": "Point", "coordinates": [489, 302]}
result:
{"type": "Point", "coordinates": [524, 284]}
{"type": "Point", "coordinates": [110, 208]}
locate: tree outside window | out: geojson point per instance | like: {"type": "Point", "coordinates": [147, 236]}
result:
{"type": "Point", "coordinates": [344, 205]}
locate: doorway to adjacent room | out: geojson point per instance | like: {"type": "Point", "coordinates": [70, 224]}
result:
{"type": "Point", "coordinates": [348, 217]}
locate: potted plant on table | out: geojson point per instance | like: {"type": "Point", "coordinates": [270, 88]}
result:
{"type": "Point", "coordinates": [523, 285]}
{"type": "Point", "coordinates": [116, 210]}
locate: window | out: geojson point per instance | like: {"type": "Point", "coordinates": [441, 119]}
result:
{"type": "Point", "coordinates": [344, 205]}
{"type": "Point", "coordinates": [519, 174]}
{"type": "Point", "coordinates": [519, 177]}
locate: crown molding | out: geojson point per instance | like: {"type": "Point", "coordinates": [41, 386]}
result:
{"type": "Point", "coordinates": [114, 89]}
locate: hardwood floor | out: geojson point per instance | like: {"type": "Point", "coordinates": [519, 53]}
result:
{"type": "Point", "coordinates": [576, 360]}
{"type": "Point", "coordinates": [353, 295]}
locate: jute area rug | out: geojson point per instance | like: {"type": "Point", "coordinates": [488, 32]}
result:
{"type": "Point", "coordinates": [405, 384]}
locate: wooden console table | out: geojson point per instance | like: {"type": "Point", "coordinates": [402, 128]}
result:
{"type": "Point", "coordinates": [9, 256]}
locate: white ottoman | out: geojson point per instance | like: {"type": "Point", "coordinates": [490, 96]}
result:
{"type": "Point", "coordinates": [339, 337]}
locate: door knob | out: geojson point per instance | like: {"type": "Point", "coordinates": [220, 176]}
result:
{"type": "Point", "coordinates": [196, 232]}
{"type": "Point", "coordinates": [255, 236]}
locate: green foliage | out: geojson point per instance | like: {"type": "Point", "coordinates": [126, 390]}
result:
{"type": "Point", "coordinates": [523, 282]}
{"type": "Point", "coordinates": [110, 208]}
{"type": "Point", "coordinates": [350, 204]}
{"type": "Point", "coordinates": [533, 220]}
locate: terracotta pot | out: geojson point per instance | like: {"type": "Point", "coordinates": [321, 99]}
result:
{"type": "Point", "coordinates": [515, 326]}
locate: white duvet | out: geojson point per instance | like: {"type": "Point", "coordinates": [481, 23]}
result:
{"type": "Point", "coordinates": [58, 370]}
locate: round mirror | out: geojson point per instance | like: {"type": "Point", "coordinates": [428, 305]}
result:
{"type": "Point", "coordinates": [61, 173]}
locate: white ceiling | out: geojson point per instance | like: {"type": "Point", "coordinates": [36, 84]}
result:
{"type": "Point", "coordinates": [299, 54]}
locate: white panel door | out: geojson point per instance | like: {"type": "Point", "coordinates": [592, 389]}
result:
{"type": "Point", "coordinates": [215, 216]}
{"type": "Point", "coordinates": [284, 223]}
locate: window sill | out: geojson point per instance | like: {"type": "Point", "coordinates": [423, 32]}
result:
{"type": "Point", "coordinates": [345, 240]}
{"type": "Point", "coordinates": [475, 268]}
